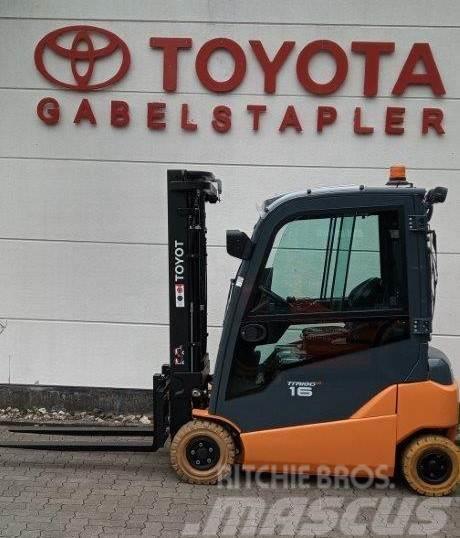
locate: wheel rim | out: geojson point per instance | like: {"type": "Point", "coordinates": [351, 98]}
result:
{"type": "Point", "coordinates": [434, 467]}
{"type": "Point", "coordinates": [202, 453]}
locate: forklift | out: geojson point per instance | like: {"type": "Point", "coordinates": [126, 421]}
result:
{"type": "Point", "coordinates": [324, 358]}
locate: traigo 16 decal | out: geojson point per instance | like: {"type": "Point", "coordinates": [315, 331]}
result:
{"type": "Point", "coordinates": [302, 389]}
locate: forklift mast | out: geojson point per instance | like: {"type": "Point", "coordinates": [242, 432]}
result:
{"type": "Point", "coordinates": [188, 193]}
{"type": "Point", "coordinates": [187, 373]}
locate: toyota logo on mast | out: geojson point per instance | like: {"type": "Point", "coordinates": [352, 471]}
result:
{"type": "Point", "coordinates": [82, 55]}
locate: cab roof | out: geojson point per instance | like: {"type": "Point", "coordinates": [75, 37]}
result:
{"type": "Point", "coordinates": [403, 190]}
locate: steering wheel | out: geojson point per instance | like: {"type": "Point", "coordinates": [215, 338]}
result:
{"type": "Point", "coordinates": [277, 298]}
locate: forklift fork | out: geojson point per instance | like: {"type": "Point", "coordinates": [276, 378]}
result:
{"type": "Point", "coordinates": [159, 433]}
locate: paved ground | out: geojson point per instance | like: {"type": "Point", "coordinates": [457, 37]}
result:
{"type": "Point", "coordinates": [53, 494]}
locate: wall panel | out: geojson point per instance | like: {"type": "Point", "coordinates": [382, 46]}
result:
{"type": "Point", "coordinates": [83, 231]}
{"type": "Point", "coordinates": [374, 12]}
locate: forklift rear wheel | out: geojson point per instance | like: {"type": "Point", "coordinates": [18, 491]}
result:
{"type": "Point", "coordinates": [202, 452]}
{"type": "Point", "coordinates": [431, 465]}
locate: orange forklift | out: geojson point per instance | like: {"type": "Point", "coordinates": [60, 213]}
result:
{"type": "Point", "coordinates": [324, 358]}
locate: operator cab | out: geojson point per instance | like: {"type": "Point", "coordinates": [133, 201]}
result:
{"type": "Point", "coordinates": [330, 297]}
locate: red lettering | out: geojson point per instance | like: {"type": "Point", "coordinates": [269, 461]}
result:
{"type": "Point", "coordinates": [290, 119]}
{"type": "Point", "coordinates": [326, 116]}
{"type": "Point", "coordinates": [170, 47]}
{"type": "Point", "coordinates": [222, 121]}
{"type": "Point", "coordinates": [119, 113]}
{"type": "Point", "coordinates": [394, 120]}
{"type": "Point", "coordinates": [432, 117]}
{"type": "Point", "coordinates": [271, 67]}
{"type": "Point", "coordinates": [303, 62]}
{"type": "Point", "coordinates": [256, 111]}
{"type": "Point", "coordinates": [85, 112]}
{"type": "Point", "coordinates": [372, 51]}
{"type": "Point", "coordinates": [48, 111]}
{"type": "Point", "coordinates": [156, 113]}
{"type": "Point", "coordinates": [420, 52]}
{"type": "Point", "coordinates": [185, 123]}
{"type": "Point", "coordinates": [202, 59]}
{"type": "Point", "coordinates": [357, 127]}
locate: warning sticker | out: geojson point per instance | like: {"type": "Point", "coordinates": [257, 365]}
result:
{"type": "Point", "coordinates": [179, 356]}
{"type": "Point", "coordinates": [180, 296]}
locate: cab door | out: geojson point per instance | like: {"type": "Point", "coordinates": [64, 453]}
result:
{"type": "Point", "coordinates": [326, 326]}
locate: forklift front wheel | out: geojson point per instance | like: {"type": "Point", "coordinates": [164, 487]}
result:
{"type": "Point", "coordinates": [202, 452]}
{"type": "Point", "coordinates": [431, 465]}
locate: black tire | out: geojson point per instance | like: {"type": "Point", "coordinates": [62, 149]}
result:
{"type": "Point", "coordinates": [431, 465]}
{"type": "Point", "coordinates": [216, 447]}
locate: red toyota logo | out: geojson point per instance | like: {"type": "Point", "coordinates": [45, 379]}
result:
{"type": "Point", "coordinates": [82, 51]}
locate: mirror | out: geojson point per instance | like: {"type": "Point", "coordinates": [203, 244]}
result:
{"type": "Point", "coordinates": [436, 196]}
{"type": "Point", "coordinates": [253, 333]}
{"type": "Point", "coordinates": [238, 244]}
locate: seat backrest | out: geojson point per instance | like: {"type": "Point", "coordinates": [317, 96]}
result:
{"type": "Point", "coordinates": [366, 294]}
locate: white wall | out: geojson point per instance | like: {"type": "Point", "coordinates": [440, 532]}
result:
{"type": "Point", "coordinates": [83, 266]}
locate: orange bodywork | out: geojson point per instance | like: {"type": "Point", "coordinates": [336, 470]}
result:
{"type": "Point", "coordinates": [383, 404]}
{"type": "Point", "coordinates": [345, 445]}
{"type": "Point", "coordinates": [204, 413]}
{"type": "Point", "coordinates": [369, 438]}
{"type": "Point", "coordinates": [426, 405]}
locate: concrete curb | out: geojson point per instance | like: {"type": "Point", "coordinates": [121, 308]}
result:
{"type": "Point", "coordinates": [77, 399]}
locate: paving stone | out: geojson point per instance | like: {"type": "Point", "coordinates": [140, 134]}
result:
{"type": "Point", "coordinates": [89, 495]}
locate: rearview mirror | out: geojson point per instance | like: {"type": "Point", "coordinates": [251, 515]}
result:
{"type": "Point", "coordinates": [238, 244]}
{"type": "Point", "coordinates": [436, 196]}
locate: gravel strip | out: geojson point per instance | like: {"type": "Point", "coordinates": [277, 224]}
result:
{"type": "Point", "coordinates": [13, 415]}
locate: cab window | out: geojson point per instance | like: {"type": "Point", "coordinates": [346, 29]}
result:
{"type": "Point", "coordinates": [341, 263]}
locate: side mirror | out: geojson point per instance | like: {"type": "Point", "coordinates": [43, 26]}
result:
{"type": "Point", "coordinates": [238, 244]}
{"type": "Point", "coordinates": [436, 196]}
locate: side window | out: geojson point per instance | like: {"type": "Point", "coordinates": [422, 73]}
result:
{"type": "Point", "coordinates": [334, 264]}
